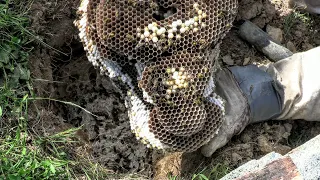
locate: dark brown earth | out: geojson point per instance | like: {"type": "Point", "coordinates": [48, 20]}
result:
{"type": "Point", "coordinates": [68, 76]}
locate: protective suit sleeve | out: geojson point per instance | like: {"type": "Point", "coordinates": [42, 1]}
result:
{"type": "Point", "coordinates": [299, 78]}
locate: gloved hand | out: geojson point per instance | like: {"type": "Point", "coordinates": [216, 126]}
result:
{"type": "Point", "coordinates": [288, 89]}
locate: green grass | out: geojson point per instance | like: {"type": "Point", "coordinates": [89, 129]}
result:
{"type": "Point", "coordinates": [23, 154]}
{"type": "Point", "coordinates": [213, 173]}
{"type": "Point", "coordinates": [293, 18]}
{"type": "Point", "coordinates": [14, 73]}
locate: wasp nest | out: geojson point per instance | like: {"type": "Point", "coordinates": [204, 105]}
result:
{"type": "Point", "coordinates": [159, 53]}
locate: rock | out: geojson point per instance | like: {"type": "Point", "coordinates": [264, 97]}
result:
{"type": "Point", "coordinates": [298, 34]}
{"type": "Point", "coordinates": [251, 11]}
{"type": "Point", "coordinates": [236, 157]}
{"type": "Point", "coordinates": [302, 163]}
{"type": "Point", "coordinates": [275, 33]}
{"type": "Point", "coordinates": [264, 144]}
{"type": "Point", "coordinates": [259, 22]}
{"type": "Point", "coordinates": [282, 149]}
{"type": "Point", "coordinates": [315, 130]}
{"type": "Point", "coordinates": [307, 46]}
{"type": "Point", "coordinates": [252, 166]}
{"type": "Point", "coordinates": [291, 47]}
{"type": "Point", "coordinates": [266, 127]}
{"type": "Point", "coordinates": [286, 135]}
{"type": "Point", "coordinates": [246, 61]}
{"type": "Point", "coordinates": [307, 158]}
{"type": "Point", "coordinates": [288, 127]}
{"type": "Point", "coordinates": [245, 138]}
{"type": "Point", "coordinates": [281, 132]}
{"type": "Point", "coordinates": [244, 146]}
{"type": "Point", "coordinates": [228, 60]}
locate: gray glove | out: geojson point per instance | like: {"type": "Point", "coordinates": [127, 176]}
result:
{"type": "Point", "coordinates": [289, 89]}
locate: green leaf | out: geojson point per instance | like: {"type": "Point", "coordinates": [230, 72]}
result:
{"type": "Point", "coordinates": [14, 177]}
{"type": "Point", "coordinates": [25, 74]}
{"type": "Point", "coordinates": [203, 177]}
{"type": "Point", "coordinates": [9, 66]}
{"type": "Point", "coordinates": [25, 97]}
{"type": "Point", "coordinates": [15, 40]}
{"type": "Point", "coordinates": [18, 134]}
{"type": "Point", "coordinates": [46, 163]}
{"type": "Point", "coordinates": [4, 56]}
{"type": "Point", "coordinates": [52, 169]}
{"type": "Point", "coordinates": [27, 164]}
{"type": "Point", "coordinates": [24, 151]}
{"type": "Point", "coordinates": [0, 111]}
{"type": "Point", "coordinates": [22, 73]}
{"type": "Point", "coordinates": [35, 164]}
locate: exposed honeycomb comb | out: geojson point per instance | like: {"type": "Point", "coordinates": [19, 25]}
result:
{"type": "Point", "coordinates": [159, 52]}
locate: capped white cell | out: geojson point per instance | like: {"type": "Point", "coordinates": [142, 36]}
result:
{"type": "Point", "coordinates": [174, 24]}
{"type": "Point", "coordinates": [187, 23]}
{"type": "Point", "coordinates": [191, 21]}
{"type": "Point", "coordinates": [154, 29]}
{"type": "Point", "coordinates": [163, 30]}
{"type": "Point", "coordinates": [170, 35]}
{"type": "Point", "coordinates": [179, 22]}
{"type": "Point", "coordinates": [182, 30]}
{"type": "Point", "coordinates": [155, 39]}
{"type": "Point", "coordinates": [204, 15]}
{"type": "Point", "coordinates": [150, 26]}
{"type": "Point", "coordinates": [159, 32]}
{"type": "Point", "coordinates": [175, 75]}
{"type": "Point", "coordinates": [195, 5]}
{"type": "Point", "coordinates": [174, 29]}
{"type": "Point", "coordinates": [146, 34]}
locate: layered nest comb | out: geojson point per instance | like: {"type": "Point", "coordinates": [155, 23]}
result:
{"type": "Point", "coordinates": [161, 54]}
